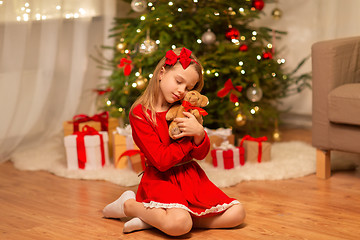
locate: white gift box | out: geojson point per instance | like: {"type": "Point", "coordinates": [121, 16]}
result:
{"type": "Point", "coordinates": [92, 149]}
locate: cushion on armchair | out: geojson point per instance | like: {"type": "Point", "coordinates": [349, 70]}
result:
{"type": "Point", "coordinates": [344, 104]}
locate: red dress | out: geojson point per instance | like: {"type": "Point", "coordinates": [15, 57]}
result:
{"type": "Point", "coordinates": [171, 179]}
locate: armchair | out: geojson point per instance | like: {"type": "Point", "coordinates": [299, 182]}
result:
{"type": "Point", "coordinates": [336, 99]}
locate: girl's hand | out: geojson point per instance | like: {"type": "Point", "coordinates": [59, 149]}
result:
{"type": "Point", "coordinates": [189, 126]}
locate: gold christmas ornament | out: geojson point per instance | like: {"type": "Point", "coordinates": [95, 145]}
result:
{"type": "Point", "coordinates": [276, 13]}
{"type": "Point", "coordinates": [140, 82]}
{"type": "Point", "coordinates": [276, 135]}
{"type": "Point", "coordinates": [126, 90]}
{"type": "Point", "coordinates": [120, 47]}
{"type": "Point", "coordinates": [240, 119]}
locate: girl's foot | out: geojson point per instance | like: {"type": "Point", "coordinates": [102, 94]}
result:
{"type": "Point", "coordinates": [134, 225]}
{"type": "Point", "coordinates": [116, 208]}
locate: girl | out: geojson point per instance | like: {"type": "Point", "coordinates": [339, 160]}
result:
{"type": "Point", "coordinates": [174, 194]}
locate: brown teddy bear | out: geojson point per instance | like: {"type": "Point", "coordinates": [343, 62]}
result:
{"type": "Point", "coordinates": [192, 102]}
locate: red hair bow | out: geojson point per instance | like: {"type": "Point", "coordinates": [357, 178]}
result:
{"type": "Point", "coordinates": [184, 58]}
{"type": "Point", "coordinates": [126, 63]}
{"type": "Point", "coordinates": [228, 87]}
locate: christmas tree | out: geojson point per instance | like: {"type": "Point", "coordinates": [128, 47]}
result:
{"type": "Point", "coordinates": [244, 78]}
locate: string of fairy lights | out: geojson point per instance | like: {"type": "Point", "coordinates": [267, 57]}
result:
{"type": "Point", "coordinates": [25, 11]}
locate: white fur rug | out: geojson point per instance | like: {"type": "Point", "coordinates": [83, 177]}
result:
{"type": "Point", "coordinates": [288, 160]}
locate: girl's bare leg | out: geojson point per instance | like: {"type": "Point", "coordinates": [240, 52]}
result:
{"type": "Point", "coordinates": [232, 217]}
{"type": "Point", "coordinates": [173, 221]}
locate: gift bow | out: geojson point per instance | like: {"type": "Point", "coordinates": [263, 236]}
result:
{"type": "Point", "coordinates": [225, 145]}
{"type": "Point", "coordinates": [220, 132]}
{"type": "Point", "coordinates": [259, 140]}
{"type": "Point", "coordinates": [228, 87]}
{"type": "Point", "coordinates": [130, 153]}
{"type": "Point", "coordinates": [184, 58]}
{"type": "Point", "coordinates": [126, 63]}
{"type": "Point", "coordinates": [187, 106]}
{"type": "Point", "coordinates": [103, 118]}
{"type": "Point", "coordinates": [80, 145]}
{"type": "Point", "coordinates": [124, 131]}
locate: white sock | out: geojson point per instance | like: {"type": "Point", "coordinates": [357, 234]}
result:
{"type": "Point", "coordinates": [135, 224]}
{"type": "Point", "coordinates": [116, 208]}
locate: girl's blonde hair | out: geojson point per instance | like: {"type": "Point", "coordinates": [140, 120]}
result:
{"type": "Point", "coordinates": [149, 96]}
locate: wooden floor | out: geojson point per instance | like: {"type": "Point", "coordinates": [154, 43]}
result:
{"type": "Point", "coordinates": [39, 205]}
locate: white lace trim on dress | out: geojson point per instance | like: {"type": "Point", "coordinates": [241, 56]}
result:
{"type": "Point", "coordinates": [215, 209]}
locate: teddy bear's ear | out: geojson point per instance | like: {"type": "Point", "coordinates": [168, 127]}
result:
{"type": "Point", "coordinates": [204, 101]}
{"type": "Point", "coordinates": [187, 96]}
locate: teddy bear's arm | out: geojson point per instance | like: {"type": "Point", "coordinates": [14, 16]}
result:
{"type": "Point", "coordinates": [171, 114]}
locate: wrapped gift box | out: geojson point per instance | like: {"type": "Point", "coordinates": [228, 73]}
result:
{"type": "Point", "coordinates": [253, 146]}
{"type": "Point", "coordinates": [217, 137]}
{"type": "Point", "coordinates": [226, 157]}
{"type": "Point", "coordinates": [69, 126]}
{"type": "Point", "coordinates": [93, 153]}
{"type": "Point", "coordinates": [98, 121]}
{"type": "Point", "coordinates": [123, 142]}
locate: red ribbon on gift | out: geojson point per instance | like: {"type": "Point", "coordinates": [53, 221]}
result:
{"type": "Point", "coordinates": [228, 87]}
{"type": "Point", "coordinates": [187, 106]}
{"type": "Point", "coordinates": [133, 152]}
{"type": "Point", "coordinates": [259, 140]}
{"type": "Point", "coordinates": [80, 145]}
{"type": "Point", "coordinates": [103, 118]}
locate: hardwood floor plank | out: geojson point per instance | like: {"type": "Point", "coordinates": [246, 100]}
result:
{"type": "Point", "coordinates": [39, 205]}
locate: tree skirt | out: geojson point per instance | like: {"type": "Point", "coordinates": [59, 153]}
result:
{"type": "Point", "coordinates": [288, 160]}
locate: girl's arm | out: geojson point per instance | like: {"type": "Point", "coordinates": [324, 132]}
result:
{"type": "Point", "coordinates": [160, 155]}
{"type": "Point", "coordinates": [191, 127]}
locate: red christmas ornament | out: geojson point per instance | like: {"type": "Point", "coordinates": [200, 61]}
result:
{"type": "Point", "coordinates": [267, 55]}
{"type": "Point", "coordinates": [232, 33]}
{"type": "Point", "coordinates": [243, 48]}
{"type": "Point", "coordinates": [258, 4]}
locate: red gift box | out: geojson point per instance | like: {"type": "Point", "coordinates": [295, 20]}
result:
{"type": "Point", "coordinates": [227, 159]}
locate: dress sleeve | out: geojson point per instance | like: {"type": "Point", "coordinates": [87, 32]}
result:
{"type": "Point", "coordinates": [160, 155]}
{"type": "Point", "coordinates": [200, 151]}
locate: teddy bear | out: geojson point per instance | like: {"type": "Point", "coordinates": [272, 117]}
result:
{"type": "Point", "coordinates": [192, 102]}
